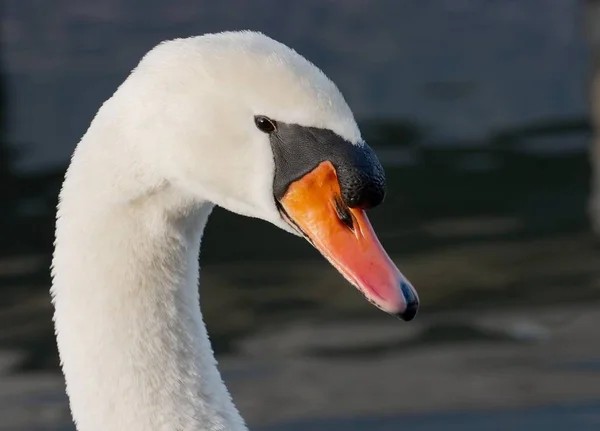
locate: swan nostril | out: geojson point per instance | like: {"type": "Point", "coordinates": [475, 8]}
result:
{"type": "Point", "coordinates": [344, 214]}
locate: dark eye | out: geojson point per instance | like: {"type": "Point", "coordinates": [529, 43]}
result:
{"type": "Point", "coordinates": [264, 124]}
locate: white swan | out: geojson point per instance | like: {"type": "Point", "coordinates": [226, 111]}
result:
{"type": "Point", "coordinates": [231, 119]}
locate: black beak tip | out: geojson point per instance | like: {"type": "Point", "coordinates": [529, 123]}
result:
{"type": "Point", "coordinates": [412, 302]}
{"type": "Point", "coordinates": [409, 312]}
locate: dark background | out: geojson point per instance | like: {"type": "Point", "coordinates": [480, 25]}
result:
{"type": "Point", "coordinates": [481, 112]}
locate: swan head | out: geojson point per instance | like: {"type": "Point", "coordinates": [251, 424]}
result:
{"type": "Point", "coordinates": [248, 124]}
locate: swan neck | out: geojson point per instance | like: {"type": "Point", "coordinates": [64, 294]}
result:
{"type": "Point", "coordinates": [133, 345]}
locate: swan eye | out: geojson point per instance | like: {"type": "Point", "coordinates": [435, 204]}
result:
{"type": "Point", "coordinates": [264, 124]}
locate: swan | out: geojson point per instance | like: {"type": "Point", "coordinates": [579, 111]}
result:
{"type": "Point", "coordinates": [234, 119]}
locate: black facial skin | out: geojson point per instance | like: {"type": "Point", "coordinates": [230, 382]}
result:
{"type": "Point", "coordinates": [298, 150]}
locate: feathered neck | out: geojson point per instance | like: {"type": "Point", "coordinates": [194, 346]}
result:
{"type": "Point", "coordinates": [132, 341]}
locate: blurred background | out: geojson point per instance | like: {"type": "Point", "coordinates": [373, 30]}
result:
{"type": "Point", "coordinates": [482, 113]}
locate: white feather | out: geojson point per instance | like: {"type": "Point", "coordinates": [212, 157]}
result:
{"type": "Point", "coordinates": [176, 138]}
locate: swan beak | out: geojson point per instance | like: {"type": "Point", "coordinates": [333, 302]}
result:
{"type": "Point", "coordinates": [313, 205]}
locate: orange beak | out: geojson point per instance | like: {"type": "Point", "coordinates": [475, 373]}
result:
{"type": "Point", "coordinates": [344, 235]}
